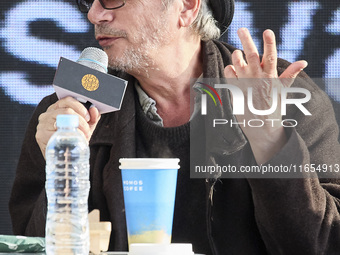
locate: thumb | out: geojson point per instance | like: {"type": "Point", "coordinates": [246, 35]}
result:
{"type": "Point", "coordinates": [94, 114]}
{"type": "Point", "coordinates": [288, 76]}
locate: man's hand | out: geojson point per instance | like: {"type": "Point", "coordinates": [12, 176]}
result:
{"type": "Point", "coordinates": [265, 141]}
{"type": "Point", "coordinates": [88, 120]}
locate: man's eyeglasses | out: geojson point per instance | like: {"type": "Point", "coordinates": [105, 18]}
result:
{"type": "Point", "coordinates": [85, 5]}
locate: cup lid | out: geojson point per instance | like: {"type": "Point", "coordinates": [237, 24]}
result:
{"type": "Point", "coordinates": [149, 163]}
{"type": "Point", "coordinates": [160, 249]}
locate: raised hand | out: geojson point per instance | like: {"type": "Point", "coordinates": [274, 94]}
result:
{"type": "Point", "coordinates": [262, 77]}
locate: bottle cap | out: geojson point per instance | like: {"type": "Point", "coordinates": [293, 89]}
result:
{"type": "Point", "coordinates": [67, 120]}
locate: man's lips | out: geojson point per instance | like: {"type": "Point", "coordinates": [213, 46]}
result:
{"type": "Point", "coordinates": [106, 40]}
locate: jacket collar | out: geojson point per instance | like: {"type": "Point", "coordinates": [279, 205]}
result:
{"type": "Point", "coordinates": [112, 124]}
{"type": "Point", "coordinates": [216, 55]}
{"type": "Point", "coordinates": [222, 139]}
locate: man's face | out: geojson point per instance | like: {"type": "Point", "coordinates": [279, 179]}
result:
{"type": "Point", "coordinates": [133, 34]}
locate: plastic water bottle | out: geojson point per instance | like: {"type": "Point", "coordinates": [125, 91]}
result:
{"type": "Point", "coordinates": [67, 188]}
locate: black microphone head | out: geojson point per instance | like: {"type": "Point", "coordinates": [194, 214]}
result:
{"type": "Point", "coordinates": [94, 58]}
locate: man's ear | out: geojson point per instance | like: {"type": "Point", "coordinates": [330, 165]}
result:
{"type": "Point", "coordinates": [189, 12]}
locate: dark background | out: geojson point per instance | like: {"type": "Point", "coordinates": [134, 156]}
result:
{"type": "Point", "coordinates": [35, 33]}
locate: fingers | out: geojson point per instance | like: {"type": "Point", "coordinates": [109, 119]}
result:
{"type": "Point", "coordinates": [42, 136]}
{"type": "Point", "coordinates": [238, 61]}
{"type": "Point", "coordinates": [71, 103]}
{"type": "Point", "coordinates": [288, 76]}
{"type": "Point", "coordinates": [46, 126]}
{"type": "Point", "coordinates": [94, 115]}
{"type": "Point", "coordinates": [230, 72]}
{"type": "Point", "coordinates": [250, 50]}
{"type": "Point", "coordinates": [269, 59]}
{"type": "Point", "coordinates": [253, 68]}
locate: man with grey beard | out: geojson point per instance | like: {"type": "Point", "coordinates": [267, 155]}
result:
{"type": "Point", "coordinates": [159, 46]}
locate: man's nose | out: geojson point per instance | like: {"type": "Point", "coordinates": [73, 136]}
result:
{"type": "Point", "coordinates": [98, 15]}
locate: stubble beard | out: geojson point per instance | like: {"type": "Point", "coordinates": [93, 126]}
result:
{"type": "Point", "coordinates": [139, 59]}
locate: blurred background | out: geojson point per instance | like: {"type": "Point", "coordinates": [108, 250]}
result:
{"type": "Point", "coordinates": [35, 33]}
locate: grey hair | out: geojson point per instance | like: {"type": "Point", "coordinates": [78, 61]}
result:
{"type": "Point", "coordinates": [205, 24]}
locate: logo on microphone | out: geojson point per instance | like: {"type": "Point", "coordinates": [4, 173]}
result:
{"type": "Point", "coordinates": [90, 82]}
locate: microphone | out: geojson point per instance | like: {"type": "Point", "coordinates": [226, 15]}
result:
{"type": "Point", "coordinates": [94, 58]}
{"type": "Point", "coordinates": [87, 81]}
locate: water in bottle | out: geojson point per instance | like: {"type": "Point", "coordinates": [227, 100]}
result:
{"type": "Point", "coordinates": [67, 189]}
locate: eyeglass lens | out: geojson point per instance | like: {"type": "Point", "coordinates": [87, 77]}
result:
{"type": "Point", "coordinates": [85, 5]}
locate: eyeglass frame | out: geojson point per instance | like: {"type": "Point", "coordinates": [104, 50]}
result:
{"type": "Point", "coordinates": [102, 4]}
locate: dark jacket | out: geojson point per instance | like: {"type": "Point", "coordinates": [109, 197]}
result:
{"type": "Point", "coordinates": [243, 216]}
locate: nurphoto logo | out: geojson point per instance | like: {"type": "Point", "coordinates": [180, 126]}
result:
{"type": "Point", "coordinates": [240, 101]}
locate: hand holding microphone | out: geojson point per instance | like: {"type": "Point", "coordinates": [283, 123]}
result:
{"type": "Point", "coordinates": [83, 88]}
{"type": "Point", "coordinates": [88, 120]}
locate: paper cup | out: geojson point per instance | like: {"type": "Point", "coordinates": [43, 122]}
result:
{"type": "Point", "coordinates": [149, 186]}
